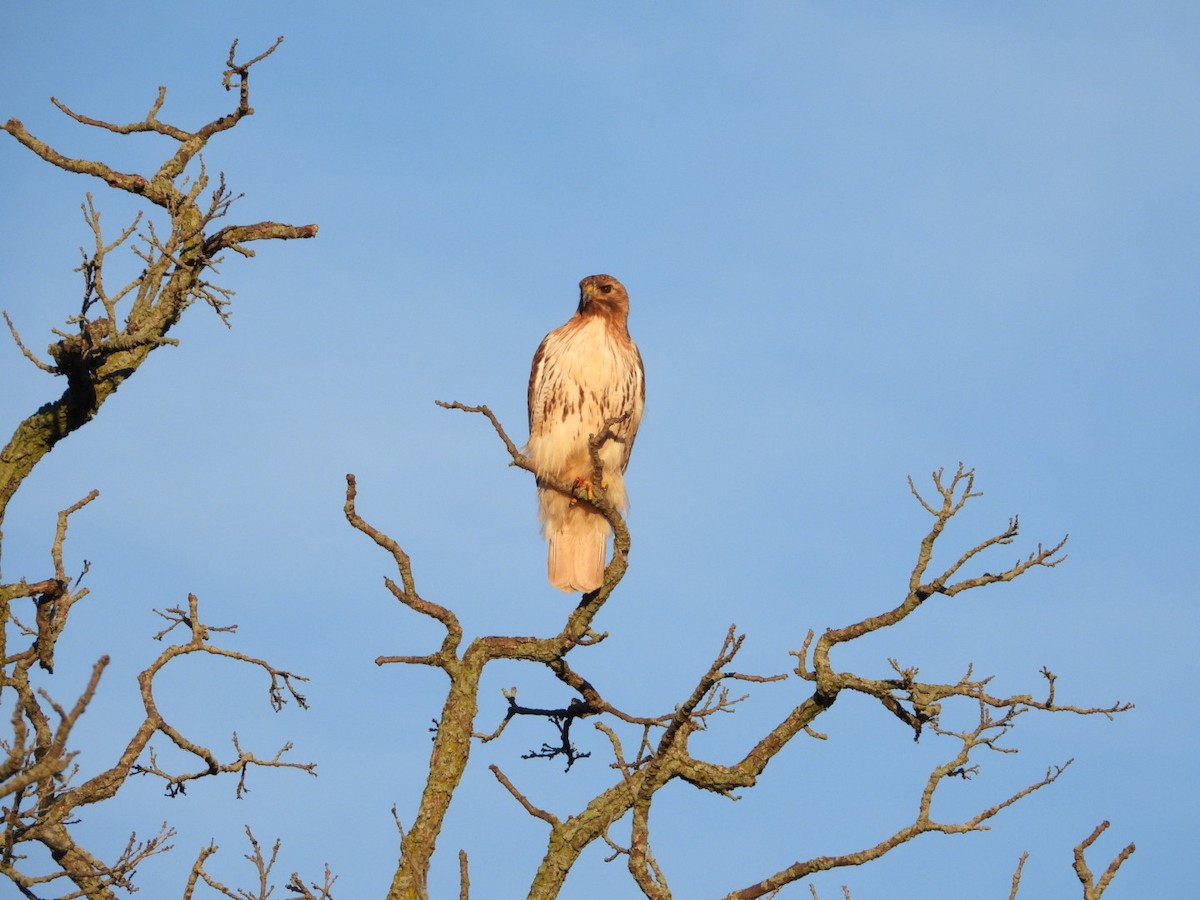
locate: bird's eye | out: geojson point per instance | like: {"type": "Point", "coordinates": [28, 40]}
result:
{"type": "Point", "coordinates": [606, 288]}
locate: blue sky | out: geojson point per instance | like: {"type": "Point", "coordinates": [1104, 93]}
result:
{"type": "Point", "coordinates": [861, 240]}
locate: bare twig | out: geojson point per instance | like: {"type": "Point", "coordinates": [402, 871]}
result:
{"type": "Point", "coordinates": [1093, 890]}
{"type": "Point", "coordinates": [263, 865]}
{"type": "Point", "coordinates": [1016, 878]}
{"type": "Point", "coordinates": [464, 880]}
{"type": "Point", "coordinates": [534, 811]}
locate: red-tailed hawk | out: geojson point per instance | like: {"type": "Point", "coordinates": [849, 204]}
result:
{"type": "Point", "coordinates": [584, 373]}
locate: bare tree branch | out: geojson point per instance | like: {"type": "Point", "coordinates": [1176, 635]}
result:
{"type": "Point", "coordinates": [263, 865]}
{"type": "Point", "coordinates": [662, 749]}
{"type": "Point", "coordinates": [1016, 879]}
{"type": "Point", "coordinates": [1092, 889]}
{"type": "Point", "coordinates": [104, 351]}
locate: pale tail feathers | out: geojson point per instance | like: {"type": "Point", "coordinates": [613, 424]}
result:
{"type": "Point", "coordinates": [578, 536]}
{"type": "Point", "coordinates": [576, 560]}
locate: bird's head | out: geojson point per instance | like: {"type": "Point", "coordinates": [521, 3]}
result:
{"type": "Point", "coordinates": [603, 295]}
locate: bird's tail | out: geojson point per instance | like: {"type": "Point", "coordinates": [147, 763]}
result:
{"type": "Point", "coordinates": [576, 560]}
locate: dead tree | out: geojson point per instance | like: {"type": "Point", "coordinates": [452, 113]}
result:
{"type": "Point", "coordinates": [42, 790]}
{"type": "Point", "coordinates": [103, 344]}
{"type": "Point", "coordinates": [652, 750]}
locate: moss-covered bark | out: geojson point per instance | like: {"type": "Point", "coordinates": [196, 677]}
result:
{"type": "Point", "coordinates": [104, 343]}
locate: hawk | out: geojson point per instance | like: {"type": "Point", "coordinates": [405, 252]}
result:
{"type": "Point", "coordinates": [585, 373]}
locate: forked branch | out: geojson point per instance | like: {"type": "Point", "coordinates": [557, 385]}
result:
{"type": "Point", "coordinates": [263, 865]}
{"type": "Point", "coordinates": [1092, 889]}
{"type": "Point", "coordinates": [101, 351]}
{"type": "Point", "coordinates": [953, 497]}
{"type": "Point", "coordinates": [36, 778]}
{"type": "Point", "coordinates": [661, 752]}
{"type": "Point", "coordinates": [985, 735]}
{"type": "Point", "coordinates": [592, 493]}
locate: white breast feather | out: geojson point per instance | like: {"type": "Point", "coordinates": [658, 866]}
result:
{"type": "Point", "coordinates": [592, 373]}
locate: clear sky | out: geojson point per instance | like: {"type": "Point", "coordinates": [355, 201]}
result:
{"type": "Point", "coordinates": [862, 241]}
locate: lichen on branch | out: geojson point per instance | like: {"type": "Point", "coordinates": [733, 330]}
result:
{"type": "Point", "coordinates": [651, 750]}
{"type": "Point", "coordinates": [115, 330]}
{"type": "Point", "coordinates": [106, 338]}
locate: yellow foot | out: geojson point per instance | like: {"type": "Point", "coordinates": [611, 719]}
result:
{"type": "Point", "coordinates": [585, 485]}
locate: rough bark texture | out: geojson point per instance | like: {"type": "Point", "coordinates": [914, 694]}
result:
{"type": "Point", "coordinates": [663, 753]}
{"type": "Point", "coordinates": [110, 343]}
{"type": "Point", "coordinates": [105, 343]}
